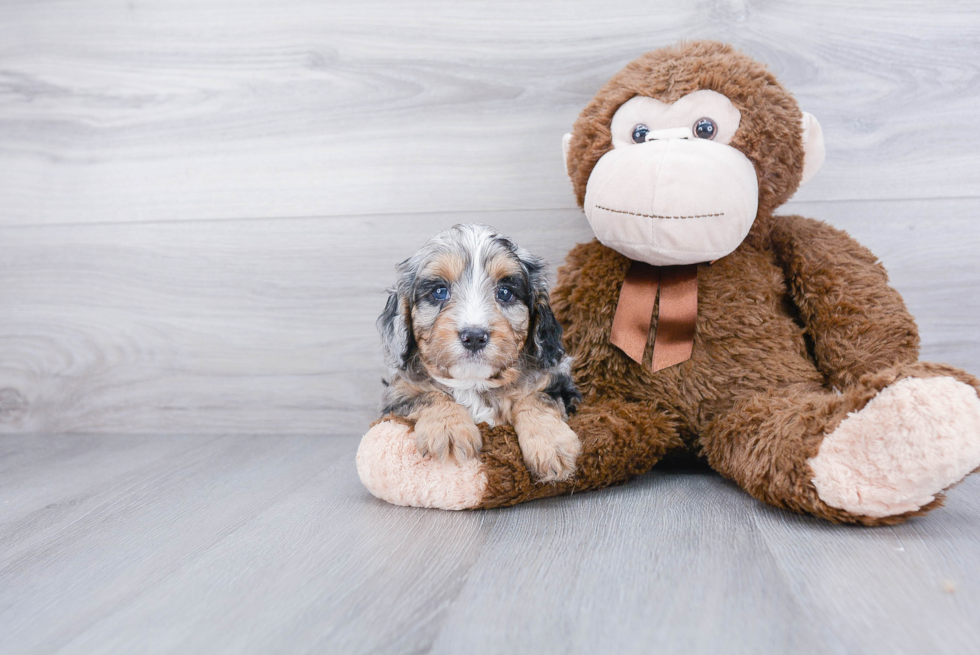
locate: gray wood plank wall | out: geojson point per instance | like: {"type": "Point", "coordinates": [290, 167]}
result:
{"type": "Point", "coordinates": [201, 202]}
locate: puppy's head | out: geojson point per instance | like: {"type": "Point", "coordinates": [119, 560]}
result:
{"type": "Point", "coordinates": [468, 306]}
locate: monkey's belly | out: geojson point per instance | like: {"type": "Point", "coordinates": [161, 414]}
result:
{"type": "Point", "coordinates": [747, 341]}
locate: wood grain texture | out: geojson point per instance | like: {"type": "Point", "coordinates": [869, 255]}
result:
{"type": "Point", "coordinates": [141, 111]}
{"type": "Point", "coordinates": [209, 327]}
{"type": "Point", "coordinates": [268, 326]}
{"type": "Point", "coordinates": [270, 544]}
{"type": "Point", "coordinates": [201, 204]}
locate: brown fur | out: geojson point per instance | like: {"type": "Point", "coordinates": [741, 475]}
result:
{"type": "Point", "coordinates": [448, 266]}
{"type": "Point", "coordinates": [797, 311]}
{"type": "Point", "coordinates": [769, 133]}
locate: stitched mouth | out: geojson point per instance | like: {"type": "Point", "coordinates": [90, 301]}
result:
{"type": "Point", "coordinates": [620, 211]}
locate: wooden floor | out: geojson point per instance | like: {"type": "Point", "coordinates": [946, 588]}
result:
{"type": "Point", "coordinates": [201, 203]}
{"type": "Point", "coordinates": [269, 544]}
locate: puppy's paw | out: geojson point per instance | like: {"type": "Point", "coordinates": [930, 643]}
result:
{"type": "Point", "coordinates": [447, 433]}
{"type": "Point", "coordinates": [551, 452]}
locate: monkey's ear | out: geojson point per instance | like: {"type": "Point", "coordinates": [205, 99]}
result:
{"type": "Point", "coordinates": [814, 151]}
{"type": "Point", "coordinates": [397, 342]}
{"type": "Point", "coordinates": [566, 142]}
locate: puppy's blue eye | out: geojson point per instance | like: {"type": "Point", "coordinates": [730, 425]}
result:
{"type": "Point", "coordinates": [504, 294]}
{"type": "Point", "coordinates": [440, 294]}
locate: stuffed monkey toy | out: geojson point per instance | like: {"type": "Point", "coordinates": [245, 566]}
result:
{"type": "Point", "coordinates": [698, 321]}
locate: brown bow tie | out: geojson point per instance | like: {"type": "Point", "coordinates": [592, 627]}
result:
{"type": "Point", "coordinates": [678, 313]}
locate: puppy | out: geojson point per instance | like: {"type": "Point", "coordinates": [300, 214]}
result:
{"type": "Point", "coordinates": [469, 337]}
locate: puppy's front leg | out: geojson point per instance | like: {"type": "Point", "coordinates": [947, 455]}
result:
{"type": "Point", "coordinates": [549, 446]}
{"type": "Point", "coordinates": [443, 428]}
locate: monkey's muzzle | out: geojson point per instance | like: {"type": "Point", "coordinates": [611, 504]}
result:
{"type": "Point", "coordinates": [672, 201]}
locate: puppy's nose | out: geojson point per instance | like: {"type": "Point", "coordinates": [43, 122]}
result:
{"type": "Point", "coordinates": [474, 339]}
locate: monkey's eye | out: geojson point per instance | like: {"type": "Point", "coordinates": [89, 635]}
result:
{"type": "Point", "coordinates": [504, 294]}
{"type": "Point", "coordinates": [640, 133]}
{"type": "Point", "coordinates": [705, 128]}
{"type": "Point", "coordinates": [441, 294]}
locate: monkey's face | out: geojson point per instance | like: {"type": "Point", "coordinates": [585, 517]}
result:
{"type": "Point", "coordinates": [678, 153]}
{"type": "Point", "coordinates": [672, 190]}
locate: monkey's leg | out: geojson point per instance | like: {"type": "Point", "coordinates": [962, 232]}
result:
{"type": "Point", "coordinates": [619, 440]}
{"type": "Point", "coordinates": [878, 453]}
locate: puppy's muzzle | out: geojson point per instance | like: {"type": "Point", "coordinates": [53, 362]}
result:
{"type": "Point", "coordinates": [474, 339]}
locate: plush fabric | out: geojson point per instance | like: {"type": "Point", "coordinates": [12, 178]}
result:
{"type": "Point", "coordinates": [391, 468]}
{"type": "Point", "coordinates": [907, 444]}
{"type": "Point", "coordinates": [680, 115]}
{"type": "Point", "coordinates": [701, 208]}
{"type": "Point", "coordinates": [814, 145]}
{"type": "Point", "coordinates": [804, 385]}
{"type": "Point", "coordinates": [671, 73]}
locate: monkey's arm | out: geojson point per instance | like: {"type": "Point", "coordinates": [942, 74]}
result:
{"type": "Point", "coordinates": [620, 440]}
{"type": "Point", "coordinates": [857, 322]}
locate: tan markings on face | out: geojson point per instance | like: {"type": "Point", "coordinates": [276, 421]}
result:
{"type": "Point", "coordinates": [509, 324]}
{"type": "Point", "coordinates": [441, 349]}
{"type": "Point", "coordinates": [437, 328]}
{"type": "Point", "coordinates": [447, 266]}
{"type": "Point", "coordinates": [502, 266]}
{"type": "Point", "coordinates": [505, 340]}
{"type": "Point", "coordinates": [433, 334]}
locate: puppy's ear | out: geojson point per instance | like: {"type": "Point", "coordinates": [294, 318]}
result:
{"type": "Point", "coordinates": [397, 341]}
{"type": "Point", "coordinates": [544, 337]}
{"type": "Point", "coordinates": [547, 335]}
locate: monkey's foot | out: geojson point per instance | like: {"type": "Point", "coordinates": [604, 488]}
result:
{"type": "Point", "coordinates": [390, 466]}
{"type": "Point", "coordinates": [914, 439]}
